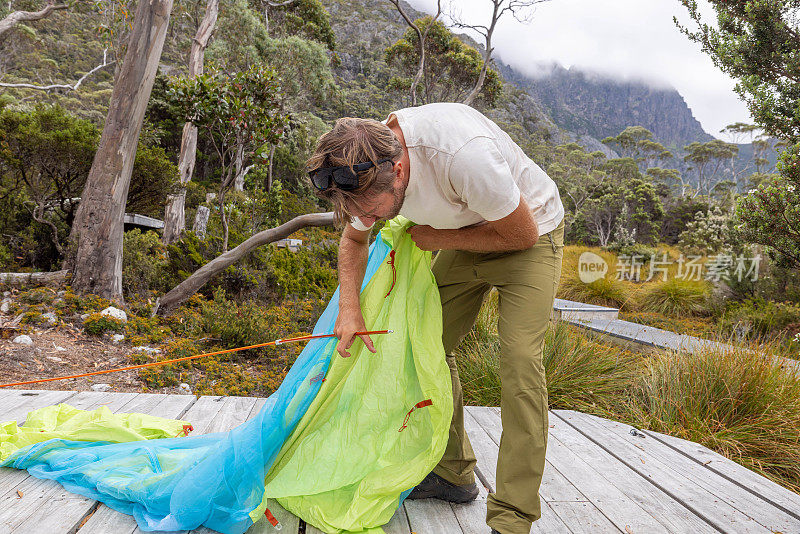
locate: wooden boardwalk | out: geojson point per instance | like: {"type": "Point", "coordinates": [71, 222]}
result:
{"type": "Point", "coordinates": [600, 478]}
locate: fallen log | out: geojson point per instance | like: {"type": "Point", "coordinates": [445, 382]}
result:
{"type": "Point", "coordinates": [33, 279]}
{"type": "Point", "coordinates": [177, 295]}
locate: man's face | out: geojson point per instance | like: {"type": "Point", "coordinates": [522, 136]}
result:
{"type": "Point", "coordinates": [382, 207]}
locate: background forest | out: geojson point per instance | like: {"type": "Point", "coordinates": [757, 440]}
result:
{"type": "Point", "coordinates": [260, 80]}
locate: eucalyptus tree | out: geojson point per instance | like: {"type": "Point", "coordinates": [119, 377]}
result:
{"type": "Point", "coordinates": [98, 226]}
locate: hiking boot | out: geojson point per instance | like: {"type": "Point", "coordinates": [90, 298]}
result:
{"type": "Point", "coordinates": [435, 487]}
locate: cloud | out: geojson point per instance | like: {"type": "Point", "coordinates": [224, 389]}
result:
{"type": "Point", "coordinates": [625, 39]}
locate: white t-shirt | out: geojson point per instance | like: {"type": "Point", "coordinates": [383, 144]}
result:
{"type": "Point", "coordinates": [464, 170]}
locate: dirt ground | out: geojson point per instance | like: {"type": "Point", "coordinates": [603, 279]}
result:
{"type": "Point", "coordinates": [65, 350]}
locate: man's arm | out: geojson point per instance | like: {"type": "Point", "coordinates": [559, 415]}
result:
{"type": "Point", "coordinates": [353, 253]}
{"type": "Point", "coordinates": [515, 231]}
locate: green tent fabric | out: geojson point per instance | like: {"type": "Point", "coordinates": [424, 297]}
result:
{"type": "Point", "coordinates": [66, 422]}
{"type": "Point", "coordinates": [347, 462]}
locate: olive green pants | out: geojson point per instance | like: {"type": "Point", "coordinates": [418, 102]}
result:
{"type": "Point", "coordinates": [526, 283]}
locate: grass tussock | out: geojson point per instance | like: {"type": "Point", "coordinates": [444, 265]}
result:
{"type": "Point", "coordinates": [606, 291]}
{"type": "Point", "coordinates": [676, 297]}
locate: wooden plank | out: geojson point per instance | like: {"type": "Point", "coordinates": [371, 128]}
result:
{"type": "Point", "coordinates": [712, 498]}
{"type": "Point", "coordinates": [472, 516]}
{"type": "Point", "coordinates": [751, 481]}
{"type": "Point", "coordinates": [584, 518]}
{"type": "Point", "coordinates": [432, 515]}
{"type": "Point", "coordinates": [484, 421]}
{"type": "Point", "coordinates": [16, 407]}
{"type": "Point", "coordinates": [668, 511]}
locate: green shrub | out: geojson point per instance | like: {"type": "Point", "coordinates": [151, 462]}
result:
{"type": "Point", "coordinates": [143, 262]}
{"type": "Point", "coordinates": [37, 295]}
{"type": "Point", "coordinates": [98, 324]}
{"type": "Point", "coordinates": [676, 296]}
{"type": "Point", "coordinates": [84, 303]}
{"type": "Point", "coordinates": [236, 325]}
{"type": "Point", "coordinates": [762, 318]}
{"type": "Point", "coordinates": [145, 330]}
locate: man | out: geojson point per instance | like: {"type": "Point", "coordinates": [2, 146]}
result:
{"type": "Point", "coordinates": [497, 220]}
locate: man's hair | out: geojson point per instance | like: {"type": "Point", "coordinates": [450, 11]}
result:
{"type": "Point", "coordinates": [353, 141]}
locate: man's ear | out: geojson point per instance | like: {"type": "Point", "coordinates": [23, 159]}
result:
{"type": "Point", "coordinates": [398, 171]}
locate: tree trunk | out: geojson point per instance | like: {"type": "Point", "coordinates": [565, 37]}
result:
{"type": "Point", "coordinates": [269, 174]}
{"type": "Point", "coordinates": [97, 229]}
{"type": "Point", "coordinates": [189, 287]}
{"type": "Point", "coordinates": [238, 181]}
{"type": "Point", "coordinates": [201, 221]}
{"type": "Point", "coordinates": [174, 215]}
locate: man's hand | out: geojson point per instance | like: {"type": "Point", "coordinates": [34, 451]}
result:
{"type": "Point", "coordinates": [350, 321]}
{"type": "Point", "coordinates": [426, 237]}
{"type": "Point", "coordinates": [516, 231]}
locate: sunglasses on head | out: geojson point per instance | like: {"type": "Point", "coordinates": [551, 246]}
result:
{"type": "Point", "coordinates": [342, 177]}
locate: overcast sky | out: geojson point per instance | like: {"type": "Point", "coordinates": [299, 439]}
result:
{"type": "Point", "coordinates": [623, 38]}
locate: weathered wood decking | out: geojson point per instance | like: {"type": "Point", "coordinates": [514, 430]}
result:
{"type": "Point", "coordinates": [599, 478]}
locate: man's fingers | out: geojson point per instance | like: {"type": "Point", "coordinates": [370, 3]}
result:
{"type": "Point", "coordinates": [368, 342]}
{"type": "Point", "coordinates": [344, 343]}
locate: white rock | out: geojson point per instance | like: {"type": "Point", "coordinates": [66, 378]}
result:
{"type": "Point", "coordinates": [23, 340]}
{"type": "Point", "coordinates": [6, 293]}
{"type": "Point", "coordinates": [85, 316]}
{"type": "Point", "coordinates": [184, 388]}
{"type": "Point", "coordinates": [51, 318]}
{"type": "Point", "coordinates": [116, 339]}
{"type": "Point", "coordinates": [61, 293]}
{"type": "Point", "coordinates": [55, 359]}
{"type": "Point", "coordinates": [148, 350]}
{"type": "Point", "coordinates": [101, 387]}
{"type": "Point", "coordinates": [59, 349]}
{"type": "Point", "coordinates": [5, 306]}
{"type": "Point", "coordinates": [116, 313]}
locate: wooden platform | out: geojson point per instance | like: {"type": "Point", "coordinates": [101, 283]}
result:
{"type": "Point", "coordinates": [599, 478]}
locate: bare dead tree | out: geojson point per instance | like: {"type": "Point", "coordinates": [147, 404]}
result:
{"type": "Point", "coordinates": [422, 36]}
{"type": "Point", "coordinates": [64, 87]}
{"type": "Point", "coordinates": [17, 17]}
{"type": "Point", "coordinates": [177, 295]}
{"type": "Point", "coordinates": [98, 226]}
{"type": "Point", "coordinates": [521, 10]}
{"type": "Point", "coordinates": [174, 213]}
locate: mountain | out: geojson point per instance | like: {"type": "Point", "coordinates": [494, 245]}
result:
{"type": "Point", "coordinates": [592, 104]}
